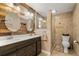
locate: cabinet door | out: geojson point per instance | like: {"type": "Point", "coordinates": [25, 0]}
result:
{"type": "Point", "coordinates": [26, 48]}
{"type": "Point", "coordinates": [20, 52]}
{"type": "Point", "coordinates": [12, 54]}
{"type": "Point", "coordinates": [5, 50]}
{"type": "Point", "coordinates": [30, 50]}
{"type": "Point", "coordinates": [38, 46]}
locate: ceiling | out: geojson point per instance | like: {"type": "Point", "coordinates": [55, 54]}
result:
{"type": "Point", "coordinates": [43, 8]}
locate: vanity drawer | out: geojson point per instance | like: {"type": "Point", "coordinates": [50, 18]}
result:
{"type": "Point", "coordinates": [24, 43]}
{"type": "Point", "coordinates": [20, 52]}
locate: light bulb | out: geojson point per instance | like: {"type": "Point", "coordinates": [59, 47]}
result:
{"type": "Point", "coordinates": [32, 14]}
{"type": "Point", "coordinates": [18, 8]}
{"type": "Point", "coordinates": [28, 13]}
{"type": "Point", "coordinates": [54, 11]}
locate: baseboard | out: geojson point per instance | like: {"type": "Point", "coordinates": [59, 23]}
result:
{"type": "Point", "coordinates": [46, 52]}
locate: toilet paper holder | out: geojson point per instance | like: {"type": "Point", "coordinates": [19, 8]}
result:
{"type": "Point", "coordinates": [75, 41]}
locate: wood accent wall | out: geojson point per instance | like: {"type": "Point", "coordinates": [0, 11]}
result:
{"type": "Point", "coordinates": [5, 31]}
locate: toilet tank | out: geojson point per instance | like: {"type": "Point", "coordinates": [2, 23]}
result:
{"type": "Point", "coordinates": [65, 37]}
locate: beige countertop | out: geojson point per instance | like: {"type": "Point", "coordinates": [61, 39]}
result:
{"type": "Point", "coordinates": [5, 40]}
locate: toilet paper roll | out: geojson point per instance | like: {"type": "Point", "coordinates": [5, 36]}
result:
{"type": "Point", "coordinates": [76, 42]}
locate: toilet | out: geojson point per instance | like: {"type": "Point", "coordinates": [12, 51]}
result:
{"type": "Point", "coordinates": [65, 42]}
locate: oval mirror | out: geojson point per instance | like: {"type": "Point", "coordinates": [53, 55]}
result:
{"type": "Point", "coordinates": [12, 22]}
{"type": "Point", "coordinates": [29, 26]}
{"type": "Point", "coordinates": [30, 21]}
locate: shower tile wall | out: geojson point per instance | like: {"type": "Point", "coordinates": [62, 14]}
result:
{"type": "Point", "coordinates": [63, 24]}
{"type": "Point", "coordinates": [76, 28]}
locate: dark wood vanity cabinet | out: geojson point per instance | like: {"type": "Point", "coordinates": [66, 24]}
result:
{"type": "Point", "coordinates": [5, 50]}
{"type": "Point", "coordinates": [38, 45]}
{"type": "Point", "coordinates": [30, 47]}
{"type": "Point", "coordinates": [29, 50]}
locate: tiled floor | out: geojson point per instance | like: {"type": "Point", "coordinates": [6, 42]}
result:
{"type": "Point", "coordinates": [42, 54]}
{"type": "Point", "coordinates": [57, 53]}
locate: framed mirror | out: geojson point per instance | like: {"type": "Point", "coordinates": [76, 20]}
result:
{"type": "Point", "coordinates": [30, 24]}
{"type": "Point", "coordinates": [28, 18]}
{"type": "Point", "coordinates": [40, 22]}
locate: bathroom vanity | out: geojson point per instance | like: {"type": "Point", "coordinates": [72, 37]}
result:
{"type": "Point", "coordinates": [21, 46]}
